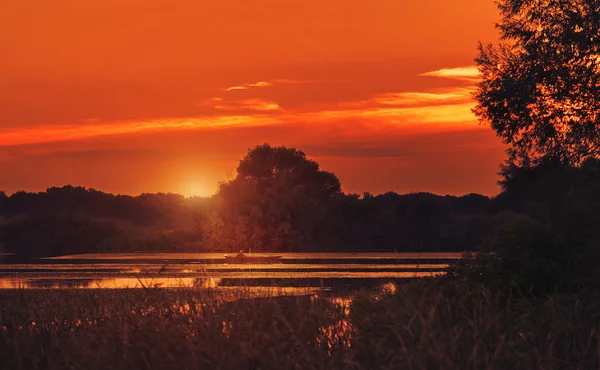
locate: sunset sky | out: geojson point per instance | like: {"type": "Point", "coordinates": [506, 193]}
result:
{"type": "Point", "coordinates": [133, 96]}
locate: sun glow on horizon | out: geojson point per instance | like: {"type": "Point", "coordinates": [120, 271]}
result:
{"type": "Point", "coordinates": [197, 188]}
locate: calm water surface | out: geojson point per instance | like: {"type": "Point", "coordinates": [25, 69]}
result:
{"type": "Point", "coordinates": [171, 270]}
{"type": "Point", "coordinates": [218, 255]}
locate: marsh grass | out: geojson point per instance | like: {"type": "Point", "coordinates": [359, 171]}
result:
{"type": "Point", "coordinates": [423, 325]}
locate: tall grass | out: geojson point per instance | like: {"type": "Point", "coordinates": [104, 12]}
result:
{"type": "Point", "coordinates": [425, 325]}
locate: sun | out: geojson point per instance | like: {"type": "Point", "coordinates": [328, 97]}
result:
{"type": "Point", "coordinates": [197, 188]}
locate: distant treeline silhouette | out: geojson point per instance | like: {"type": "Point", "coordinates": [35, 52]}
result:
{"type": "Point", "coordinates": [281, 201]}
{"type": "Point", "coordinates": [78, 220]}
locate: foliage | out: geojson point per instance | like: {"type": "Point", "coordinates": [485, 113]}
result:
{"type": "Point", "coordinates": [144, 210]}
{"type": "Point", "coordinates": [540, 88]}
{"type": "Point", "coordinates": [463, 325]}
{"type": "Point", "coordinates": [411, 222]}
{"type": "Point", "coordinates": [548, 240]}
{"type": "Point", "coordinates": [540, 92]}
{"type": "Point", "coordinates": [3, 199]}
{"type": "Point", "coordinates": [277, 201]}
{"type": "Point", "coordinates": [425, 325]}
{"type": "Point", "coordinates": [386, 222]}
{"type": "Point", "coordinates": [524, 256]}
{"type": "Point", "coordinates": [50, 235]}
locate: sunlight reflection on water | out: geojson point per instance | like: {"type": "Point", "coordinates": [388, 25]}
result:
{"type": "Point", "coordinates": [219, 255]}
{"type": "Point", "coordinates": [106, 283]}
{"type": "Point", "coordinates": [172, 270]}
{"type": "Point", "coordinates": [206, 281]}
{"type": "Point", "coordinates": [195, 268]}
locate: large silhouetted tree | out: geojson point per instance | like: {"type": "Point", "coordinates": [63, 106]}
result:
{"type": "Point", "coordinates": [277, 201]}
{"type": "Point", "coordinates": [265, 164]}
{"type": "Point", "coordinates": [540, 87]}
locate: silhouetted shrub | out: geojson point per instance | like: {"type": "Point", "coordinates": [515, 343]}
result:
{"type": "Point", "coordinates": [526, 256]}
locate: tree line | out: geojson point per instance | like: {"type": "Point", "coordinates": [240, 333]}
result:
{"type": "Point", "coordinates": [282, 206]}
{"type": "Point", "coordinates": [281, 201]}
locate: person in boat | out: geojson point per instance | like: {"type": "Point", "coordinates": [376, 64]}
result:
{"type": "Point", "coordinates": [242, 258]}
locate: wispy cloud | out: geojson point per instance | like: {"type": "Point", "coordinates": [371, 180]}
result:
{"type": "Point", "coordinates": [249, 104]}
{"type": "Point", "coordinates": [248, 86]}
{"type": "Point", "coordinates": [54, 133]}
{"type": "Point", "coordinates": [410, 98]}
{"type": "Point", "coordinates": [445, 109]}
{"type": "Point", "coordinates": [467, 73]}
{"type": "Point", "coordinates": [256, 104]}
{"type": "Point", "coordinates": [448, 116]}
{"type": "Point", "coordinates": [456, 95]}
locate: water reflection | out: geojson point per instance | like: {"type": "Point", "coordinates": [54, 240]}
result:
{"type": "Point", "coordinates": [174, 271]}
{"type": "Point", "coordinates": [223, 279]}
{"type": "Point", "coordinates": [108, 283]}
{"type": "Point", "coordinates": [148, 283]}
{"type": "Point", "coordinates": [219, 255]}
{"type": "Point", "coordinates": [190, 268]}
{"type": "Point", "coordinates": [44, 283]}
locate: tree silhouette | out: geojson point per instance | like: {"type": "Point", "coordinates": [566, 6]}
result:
{"type": "Point", "coordinates": [540, 87]}
{"type": "Point", "coordinates": [264, 164]}
{"type": "Point", "coordinates": [3, 199]}
{"type": "Point", "coordinates": [275, 202]}
{"type": "Point", "coordinates": [278, 201]}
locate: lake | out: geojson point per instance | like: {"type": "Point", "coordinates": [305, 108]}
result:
{"type": "Point", "coordinates": [297, 271]}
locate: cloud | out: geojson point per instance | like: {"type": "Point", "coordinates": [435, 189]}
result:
{"type": "Point", "coordinates": [420, 98]}
{"type": "Point", "coordinates": [434, 109]}
{"type": "Point", "coordinates": [433, 117]}
{"type": "Point", "coordinates": [452, 113]}
{"type": "Point", "coordinates": [247, 86]}
{"type": "Point", "coordinates": [55, 133]}
{"type": "Point", "coordinates": [249, 104]}
{"type": "Point", "coordinates": [265, 84]}
{"type": "Point", "coordinates": [255, 104]}
{"type": "Point", "coordinates": [467, 73]}
{"type": "Point", "coordinates": [422, 111]}
{"type": "Point", "coordinates": [456, 95]}
{"type": "Point", "coordinates": [445, 107]}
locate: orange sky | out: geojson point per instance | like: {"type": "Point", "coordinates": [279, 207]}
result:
{"type": "Point", "coordinates": [132, 96]}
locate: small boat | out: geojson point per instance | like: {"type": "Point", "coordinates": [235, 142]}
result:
{"type": "Point", "coordinates": [241, 258]}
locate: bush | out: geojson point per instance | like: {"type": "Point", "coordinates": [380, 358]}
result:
{"type": "Point", "coordinates": [525, 256]}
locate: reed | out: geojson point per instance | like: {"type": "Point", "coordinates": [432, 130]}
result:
{"type": "Point", "coordinates": [425, 325]}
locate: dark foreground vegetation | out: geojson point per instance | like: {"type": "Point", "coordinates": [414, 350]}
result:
{"type": "Point", "coordinates": [428, 325]}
